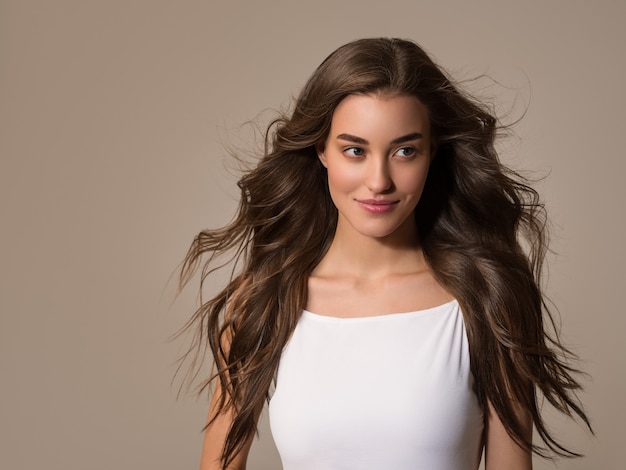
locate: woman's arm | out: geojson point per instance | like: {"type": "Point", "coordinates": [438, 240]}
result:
{"type": "Point", "coordinates": [214, 438]}
{"type": "Point", "coordinates": [501, 451]}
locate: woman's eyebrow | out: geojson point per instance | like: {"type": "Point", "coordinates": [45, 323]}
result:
{"type": "Point", "coordinates": [352, 138]}
{"type": "Point", "coordinates": [407, 138]}
{"type": "Point", "coordinates": [399, 140]}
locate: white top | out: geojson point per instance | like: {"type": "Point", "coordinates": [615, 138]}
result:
{"type": "Point", "coordinates": [384, 392]}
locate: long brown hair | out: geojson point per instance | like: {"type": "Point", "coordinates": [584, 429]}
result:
{"type": "Point", "coordinates": [474, 219]}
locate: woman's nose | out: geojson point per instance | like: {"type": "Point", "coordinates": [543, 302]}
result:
{"type": "Point", "coordinates": [378, 177]}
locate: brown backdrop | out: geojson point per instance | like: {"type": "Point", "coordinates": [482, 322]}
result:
{"type": "Point", "coordinates": [112, 120]}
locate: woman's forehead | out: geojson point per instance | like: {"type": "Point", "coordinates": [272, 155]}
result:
{"type": "Point", "coordinates": [380, 115]}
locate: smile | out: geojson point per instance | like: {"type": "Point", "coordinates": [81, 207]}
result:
{"type": "Point", "coordinates": [377, 206]}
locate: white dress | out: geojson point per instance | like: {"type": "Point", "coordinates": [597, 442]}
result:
{"type": "Point", "coordinates": [391, 392]}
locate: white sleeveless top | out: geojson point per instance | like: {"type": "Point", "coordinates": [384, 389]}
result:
{"type": "Point", "coordinates": [389, 392]}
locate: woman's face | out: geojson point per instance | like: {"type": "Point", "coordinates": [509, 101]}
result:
{"type": "Point", "coordinates": [377, 154]}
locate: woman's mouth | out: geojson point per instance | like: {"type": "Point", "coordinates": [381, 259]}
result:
{"type": "Point", "coordinates": [377, 206]}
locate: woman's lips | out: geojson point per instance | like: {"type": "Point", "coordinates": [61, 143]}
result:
{"type": "Point", "coordinates": [377, 206]}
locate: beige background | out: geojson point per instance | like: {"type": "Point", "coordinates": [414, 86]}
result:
{"type": "Point", "coordinates": [112, 119]}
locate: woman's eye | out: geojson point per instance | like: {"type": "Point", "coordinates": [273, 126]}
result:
{"type": "Point", "coordinates": [406, 152]}
{"type": "Point", "coordinates": [354, 152]}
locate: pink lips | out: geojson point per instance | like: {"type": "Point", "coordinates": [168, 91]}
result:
{"type": "Point", "coordinates": [377, 206]}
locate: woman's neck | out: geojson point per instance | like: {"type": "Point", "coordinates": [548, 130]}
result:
{"type": "Point", "coordinates": [358, 255]}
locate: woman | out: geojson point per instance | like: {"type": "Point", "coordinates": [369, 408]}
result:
{"type": "Point", "coordinates": [383, 287]}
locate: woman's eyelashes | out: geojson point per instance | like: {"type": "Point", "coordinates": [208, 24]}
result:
{"type": "Point", "coordinates": [354, 151]}
{"type": "Point", "coordinates": [403, 152]}
{"type": "Point", "coordinates": [406, 152]}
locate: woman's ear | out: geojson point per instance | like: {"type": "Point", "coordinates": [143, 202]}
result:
{"type": "Point", "coordinates": [319, 148]}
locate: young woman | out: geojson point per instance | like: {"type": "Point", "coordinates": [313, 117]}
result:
{"type": "Point", "coordinates": [388, 299]}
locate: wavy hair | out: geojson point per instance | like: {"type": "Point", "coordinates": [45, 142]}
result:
{"type": "Point", "coordinates": [482, 229]}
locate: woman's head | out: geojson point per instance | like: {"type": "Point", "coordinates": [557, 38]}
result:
{"type": "Point", "coordinates": [461, 130]}
{"type": "Point", "coordinates": [377, 155]}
